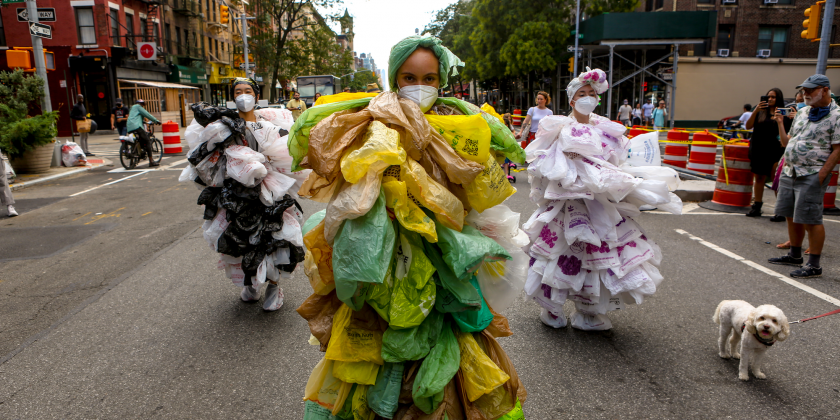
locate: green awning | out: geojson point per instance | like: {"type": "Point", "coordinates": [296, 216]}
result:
{"type": "Point", "coordinates": [648, 26]}
{"type": "Point", "coordinates": [184, 74]}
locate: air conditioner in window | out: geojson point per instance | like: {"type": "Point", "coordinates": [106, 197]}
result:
{"type": "Point", "coordinates": [223, 71]}
{"type": "Point", "coordinates": [730, 1]}
{"type": "Point", "coordinates": [771, 1]}
{"type": "Point", "coordinates": [723, 52]}
{"type": "Point", "coordinates": [763, 53]}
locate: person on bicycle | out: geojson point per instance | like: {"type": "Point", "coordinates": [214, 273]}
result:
{"type": "Point", "coordinates": [136, 117]}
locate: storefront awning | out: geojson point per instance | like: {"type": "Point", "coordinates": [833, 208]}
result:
{"type": "Point", "coordinates": [165, 85]}
{"type": "Point", "coordinates": [183, 74]}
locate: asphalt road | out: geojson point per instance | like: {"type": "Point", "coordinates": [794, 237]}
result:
{"type": "Point", "coordinates": [111, 307]}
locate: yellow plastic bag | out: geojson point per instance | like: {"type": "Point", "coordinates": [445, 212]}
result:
{"type": "Point", "coordinates": [481, 375]}
{"type": "Point", "coordinates": [356, 336]}
{"type": "Point", "coordinates": [492, 111]}
{"type": "Point", "coordinates": [469, 135]}
{"type": "Point", "coordinates": [379, 149]}
{"type": "Point", "coordinates": [317, 261]}
{"type": "Point", "coordinates": [323, 388]}
{"type": "Point", "coordinates": [363, 373]}
{"type": "Point", "coordinates": [448, 209]}
{"type": "Point", "coordinates": [361, 411]}
{"type": "Point", "coordinates": [343, 96]}
{"type": "Point", "coordinates": [490, 187]}
{"type": "Point", "coordinates": [413, 295]}
{"type": "Point", "coordinates": [408, 213]}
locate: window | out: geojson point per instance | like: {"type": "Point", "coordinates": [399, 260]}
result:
{"type": "Point", "coordinates": [143, 23]}
{"type": "Point", "coordinates": [86, 31]}
{"type": "Point", "coordinates": [178, 39]}
{"type": "Point", "coordinates": [705, 1]}
{"type": "Point", "coordinates": [214, 10]}
{"type": "Point", "coordinates": [2, 33]}
{"type": "Point", "coordinates": [156, 35]}
{"type": "Point", "coordinates": [773, 39]}
{"type": "Point", "coordinates": [167, 36]}
{"type": "Point", "coordinates": [725, 36]}
{"type": "Point", "coordinates": [129, 29]}
{"type": "Point", "coordinates": [784, 2]}
{"type": "Point", "coordinates": [115, 27]}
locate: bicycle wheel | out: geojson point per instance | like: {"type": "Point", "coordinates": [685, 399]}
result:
{"type": "Point", "coordinates": [126, 157]}
{"type": "Point", "coordinates": [157, 149]}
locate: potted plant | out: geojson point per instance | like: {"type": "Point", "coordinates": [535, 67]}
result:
{"type": "Point", "coordinates": [27, 139]}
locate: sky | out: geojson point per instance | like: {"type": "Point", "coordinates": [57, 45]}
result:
{"type": "Point", "coordinates": [379, 24]}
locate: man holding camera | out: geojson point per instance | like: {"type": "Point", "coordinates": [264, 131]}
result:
{"type": "Point", "coordinates": [812, 149]}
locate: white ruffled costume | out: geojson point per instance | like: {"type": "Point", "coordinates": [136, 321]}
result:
{"type": "Point", "coordinates": [270, 168]}
{"type": "Point", "coordinates": [584, 244]}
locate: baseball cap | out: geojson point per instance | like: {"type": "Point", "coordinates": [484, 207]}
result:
{"type": "Point", "coordinates": [119, 100]}
{"type": "Point", "coordinates": [817, 80]}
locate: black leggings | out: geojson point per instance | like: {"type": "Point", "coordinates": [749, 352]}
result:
{"type": "Point", "coordinates": [145, 142]}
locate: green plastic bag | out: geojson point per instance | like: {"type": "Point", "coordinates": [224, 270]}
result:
{"type": "Point", "coordinates": [412, 343]}
{"type": "Point", "coordinates": [383, 397]}
{"type": "Point", "coordinates": [515, 414]}
{"type": "Point", "coordinates": [313, 221]}
{"type": "Point", "coordinates": [362, 253]}
{"type": "Point", "coordinates": [474, 321]}
{"type": "Point", "coordinates": [501, 138]}
{"type": "Point", "coordinates": [436, 370]}
{"type": "Point", "coordinates": [456, 294]}
{"type": "Point", "coordinates": [464, 251]}
{"type": "Point", "coordinates": [313, 411]}
{"type": "Point", "coordinates": [298, 142]}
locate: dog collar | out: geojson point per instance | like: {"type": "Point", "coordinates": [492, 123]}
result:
{"type": "Point", "coordinates": [766, 342]}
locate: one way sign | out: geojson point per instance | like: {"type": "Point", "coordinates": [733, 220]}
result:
{"type": "Point", "coordinates": [40, 30]}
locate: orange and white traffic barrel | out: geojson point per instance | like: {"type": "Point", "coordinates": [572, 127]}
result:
{"type": "Point", "coordinates": [830, 197]}
{"type": "Point", "coordinates": [676, 154]}
{"type": "Point", "coordinates": [702, 157]}
{"type": "Point", "coordinates": [171, 138]}
{"type": "Point", "coordinates": [733, 189]}
{"type": "Point", "coordinates": [633, 132]}
{"type": "Point", "coordinates": [517, 117]}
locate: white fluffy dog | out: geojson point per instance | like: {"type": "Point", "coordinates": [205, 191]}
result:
{"type": "Point", "coordinates": [763, 325]}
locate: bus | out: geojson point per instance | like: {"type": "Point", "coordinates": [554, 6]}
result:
{"type": "Point", "coordinates": [324, 84]}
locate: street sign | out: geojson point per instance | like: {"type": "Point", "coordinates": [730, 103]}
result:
{"type": "Point", "coordinates": [40, 30]}
{"type": "Point", "coordinates": [146, 51]}
{"type": "Point", "coordinates": [45, 14]}
{"type": "Point", "coordinates": [571, 48]}
{"type": "Point", "coordinates": [12, 1]}
{"type": "Point", "coordinates": [251, 65]}
{"type": "Point", "coordinates": [62, 83]}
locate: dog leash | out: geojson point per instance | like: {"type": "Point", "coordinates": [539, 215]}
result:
{"type": "Point", "coordinates": [818, 316]}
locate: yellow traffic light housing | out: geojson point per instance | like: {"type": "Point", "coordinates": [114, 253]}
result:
{"type": "Point", "coordinates": [812, 24]}
{"type": "Point", "coordinates": [571, 64]}
{"type": "Point", "coordinates": [224, 15]}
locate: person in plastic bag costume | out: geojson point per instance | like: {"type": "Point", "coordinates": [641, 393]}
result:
{"type": "Point", "coordinates": [584, 244]}
{"type": "Point", "coordinates": [239, 160]}
{"type": "Point", "coordinates": [415, 253]}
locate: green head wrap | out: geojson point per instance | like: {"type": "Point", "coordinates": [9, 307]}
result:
{"type": "Point", "coordinates": [399, 53]}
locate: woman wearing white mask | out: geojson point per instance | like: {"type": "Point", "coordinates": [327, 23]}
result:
{"type": "Point", "coordinates": [240, 162]}
{"type": "Point", "coordinates": [584, 244]}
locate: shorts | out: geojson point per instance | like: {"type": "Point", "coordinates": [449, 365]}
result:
{"type": "Point", "coordinates": [802, 198]}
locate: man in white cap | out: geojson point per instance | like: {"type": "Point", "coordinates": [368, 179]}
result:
{"type": "Point", "coordinates": [812, 149]}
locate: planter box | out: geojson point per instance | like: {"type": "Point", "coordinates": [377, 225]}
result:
{"type": "Point", "coordinates": [36, 161]}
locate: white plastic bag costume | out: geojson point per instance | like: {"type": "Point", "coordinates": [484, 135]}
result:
{"type": "Point", "coordinates": [584, 244]}
{"type": "Point", "coordinates": [249, 192]}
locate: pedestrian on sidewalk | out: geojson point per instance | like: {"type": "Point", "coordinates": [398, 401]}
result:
{"type": "Point", "coordinates": [647, 110]}
{"type": "Point", "coordinates": [765, 147]}
{"type": "Point", "coordinates": [6, 198]}
{"type": "Point", "coordinates": [119, 117]}
{"type": "Point", "coordinates": [79, 113]}
{"type": "Point", "coordinates": [659, 115]}
{"type": "Point", "coordinates": [535, 114]}
{"type": "Point", "coordinates": [297, 106]}
{"type": "Point", "coordinates": [637, 114]}
{"type": "Point", "coordinates": [812, 149]}
{"type": "Point", "coordinates": [135, 126]}
{"type": "Point", "coordinates": [624, 112]}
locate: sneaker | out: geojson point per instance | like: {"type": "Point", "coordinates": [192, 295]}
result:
{"type": "Point", "coordinates": [777, 218]}
{"type": "Point", "coordinates": [11, 211]}
{"type": "Point", "coordinates": [250, 294]}
{"type": "Point", "coordinates": [806, 272]}
{"type": "Point", "coordinates": [273, 297]}
{"type": "Point", "coordinates": [553, 321]}
{"type": "Point", "coordinates": [755, 211]}
{"type": "Point", "coordinates": [787, 260]}
{"type": "Point", "coordinates": [581, 321]}
{"type": "Point", "coordinates": [152, 164]}
{"type": "Point", "coordinates": [89, 154]}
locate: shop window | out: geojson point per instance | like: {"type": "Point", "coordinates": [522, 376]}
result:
{"type": "Point", "coordinates": [129, 30]}
{"type": "Point", "coordinates": [773, 39]}
{"type": "Point", "coordinates": [86, 30]}
{"type": "Point", "coordinates": [2, 32]}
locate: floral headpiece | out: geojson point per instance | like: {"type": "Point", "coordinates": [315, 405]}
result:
{"type": "Point", "coordinates": [595, 78]}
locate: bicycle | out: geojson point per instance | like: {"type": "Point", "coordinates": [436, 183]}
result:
{"type": "Point", "coordinates": [131, 153]}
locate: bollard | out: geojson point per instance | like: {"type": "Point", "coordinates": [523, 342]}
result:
{"type": "Point", "coordinates": [171, 138]}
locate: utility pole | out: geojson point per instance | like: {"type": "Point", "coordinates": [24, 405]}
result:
{"type": "Point", "coordinates": [577, 37]}
{"type": "Point", "coordinates": [825, 36]}
{"type": "Point", "coordinates": [245, 20]}
{"type": "Point", "coordinates": [38, 52]}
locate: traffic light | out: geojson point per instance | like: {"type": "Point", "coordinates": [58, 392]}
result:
{"type": "Point", "coordinates": [571, 64]}
{"type": "Point", "coordinates": [812, 24]}
{"type": "Point", "coordinates": [224, 15]}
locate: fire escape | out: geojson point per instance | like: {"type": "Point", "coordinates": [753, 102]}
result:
{"type": "Point", "coordinates": [190, 51]}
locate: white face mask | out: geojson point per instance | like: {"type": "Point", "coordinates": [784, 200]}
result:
{"type": "Point", "coordinates": [422, 95]}
{"type": "Point", "coordinates": [586, 104]}
{"type": "Point", "coordinates": [245, 102]}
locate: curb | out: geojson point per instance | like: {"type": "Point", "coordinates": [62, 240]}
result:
{"type": "Point", "coordinates": [17, 186]}
{"type": "Point", "coordinates": [689, 195]}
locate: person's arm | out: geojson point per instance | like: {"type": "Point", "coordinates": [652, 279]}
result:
{"type": "Point", "coordinates": [146, 114]}
{"type": "Point", "coordinates": [751, 122]}
{"type": "Point", "coordinates": [525, 122]}
{"type": "Point", "coordinates": [112, 120]}
{"type": "Point", "coordinates": [783, 134]}
{"type": "Point", "coordinates": [830, 162]}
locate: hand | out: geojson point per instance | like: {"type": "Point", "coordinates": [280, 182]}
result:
{"type": "Point", "coordinates": [518, 135]}
{"type": "Point", "coordinates": [822, 175]}
{"type": "Point", "coordinates": [112, 127]}
{"type": "Point", "coordinates": [762, 105]}
{"type": "Point", "coordinates": [777, 116]}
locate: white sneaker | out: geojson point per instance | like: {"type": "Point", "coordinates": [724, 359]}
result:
{"type": "Point", "coordinates": [250, 294]}
{"type": "Point", "coordinates": [585, 322]}
{"type": "Point", "coordinates": [273, 297]}
{"type": "Point", "coordinates": [11, 211]}
{"type": "Point", "coordinates": [553, 321]}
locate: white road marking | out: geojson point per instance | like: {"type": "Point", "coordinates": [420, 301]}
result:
{"type": "Point", "coordinates": [152, 233]}
{"type": "Point", "coordinates": [763, 269]}
{"type": "Point", "coordinates": [105, 185]}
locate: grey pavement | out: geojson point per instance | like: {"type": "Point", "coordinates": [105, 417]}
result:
{"type": "Point", "coordinates": [135, 321]}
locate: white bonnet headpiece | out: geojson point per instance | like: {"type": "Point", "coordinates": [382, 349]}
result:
{"type": "Point", "coordinates": [595, 78]}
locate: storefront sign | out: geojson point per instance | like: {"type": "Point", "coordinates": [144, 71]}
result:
{"type": "Point", "coordinates": [146, 51]}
